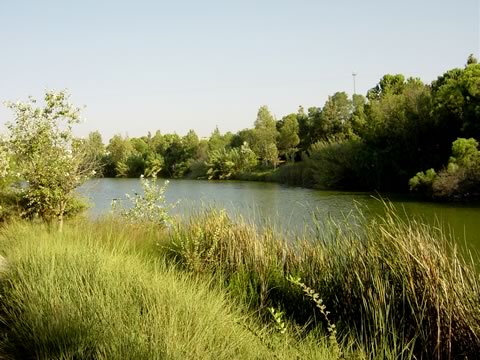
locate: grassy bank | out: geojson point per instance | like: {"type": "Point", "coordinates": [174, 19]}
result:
{"type": "Point", "coordinates": [396, 286]}
{"type": "Point", "coordinates": [208, 288]}
{"type": "Point", "coordinates": [100, 291]}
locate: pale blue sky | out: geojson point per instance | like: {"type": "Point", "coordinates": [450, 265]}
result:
{"type": "Point", "coordinates": [178, 65]}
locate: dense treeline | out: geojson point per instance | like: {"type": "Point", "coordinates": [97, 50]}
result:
{"type": "Point", "coordinates": [374, 142]}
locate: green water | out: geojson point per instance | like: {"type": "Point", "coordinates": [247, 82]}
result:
{"type": "Point", "coordinates": [289, 209]}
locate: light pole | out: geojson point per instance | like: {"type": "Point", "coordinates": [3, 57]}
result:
{"type": "Point", "coordinates": [354, 74]}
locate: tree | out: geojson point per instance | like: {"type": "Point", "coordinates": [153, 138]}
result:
{"type": "Point", "coordinates": [388, 84]}
{"type": "Point", "coordinates": [304, 129]}
{"type": "Point", "coordinates": [119, 150]}
{"type": "Point", "coordinates": [4, 164]}
{"type": "Point", "coordinates": [225, 164]}
{"type": "Point", "coordinates": [359, 119]}
{"type": "Point", "coordinates": [217, 141]}
{"type": "Point", "coordinates": [288, 138]}
{"type": "Point", "coordinates": [457, 102]}
{"type": "Point", "coordinates": [336, 115]}
{"type": "Point", "coordinates": [41, 140]}
{"type": "Point", "coordinates": [265, 136]}
{"type": "Point", "coordinates": [94, 149]}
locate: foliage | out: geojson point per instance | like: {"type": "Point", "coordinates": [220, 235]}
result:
{"type": "Point", "coordinates": [400, 128]}
{"type": "Point", "coordinates": [461, 177]}
{"type": "Point", "coordinates": [288, 137]}
{"type": "Point", "coordinates": [337, 164]}
{"type": "Point", "coordinates": [388, 85]}
{"type": "Point", "coordinates": [76, 297]}
{"type": "Point", "coordinates": [334, 119]}
{"type": "Point", "coordinates": [265, 136]}
{"type": "Point", "coordinates": [42, 144]}
{"type": "Point", "coordinates": [151, 207]}
{"type": "Point", "coordinates": [225, 164]}
{"type": "Point", "coordinates": [423, 181]}
{"type": "Point", "coordinates": [315, 297]}
{"type": "Point", "coordinates": [398, 287]}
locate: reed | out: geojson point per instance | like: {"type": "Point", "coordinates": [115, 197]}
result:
{"type": "Point", "coordinates": [395, 284]}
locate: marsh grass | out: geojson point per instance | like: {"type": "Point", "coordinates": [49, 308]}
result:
{"type": "Point", "coordinates": [399, 287]}
{"type": "Point", "coordinates": [98, 291]}
{"type": "Point", "coordinates": [393, 287]}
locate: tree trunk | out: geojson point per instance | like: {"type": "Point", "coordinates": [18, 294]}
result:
{"type": "Point", "coordinates": [60, 216]}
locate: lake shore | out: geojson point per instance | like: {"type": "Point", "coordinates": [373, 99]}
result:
{"type": "Point", "coordinates": [204, 287]}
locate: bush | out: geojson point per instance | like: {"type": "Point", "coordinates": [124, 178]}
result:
{"type": "Point", "coordinates": [338, 164]}
{"type": "Point", "coordinates": [460, 178]}
{"type": "Point", "coordinates": [295, 174]}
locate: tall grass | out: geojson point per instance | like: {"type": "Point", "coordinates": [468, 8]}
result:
{"type": "Point", "coordinates": [95, 291]}
{"type": "Point", "coordinates": [393, 287]}
{"type": "Point", "coordinates": [399, 287]}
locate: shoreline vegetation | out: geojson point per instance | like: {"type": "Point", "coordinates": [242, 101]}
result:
{"type": "Point", "coordinates": [404, 135]}
{"type": "Point", "coordinates": [139, 284]}
{"type": "Point", "coordinates": [211, 287]}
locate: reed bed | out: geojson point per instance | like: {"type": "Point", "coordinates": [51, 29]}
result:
{"type": "Point", "coordinates": [399, 287]}
{"type": "Point", "coordinates": [211, 286]}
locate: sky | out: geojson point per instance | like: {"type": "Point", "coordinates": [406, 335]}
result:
{"type": "Point", "coordinates": [146, 65]}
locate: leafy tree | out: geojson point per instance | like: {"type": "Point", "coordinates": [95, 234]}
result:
{"type": "Point", "coordinates": [220, 164]}
{"type": "Point", "coordinates": [217, 141]}
{"type": "Point", "coordinates": [245, 135]}
{"type": "Point", "coordinates": [41, 140]}
{"type": "Point", "coordinates": [388, 85]}
{"type": "Point", "coordinates": [4, 158]}
{"type": "Point", "coordinates": [400, 135]}
{"type": "Point", "coordinates": [288, 137]}
{"type": "Point", "coordinates": [247, 158]}
{"type": "Point", "coordinates": [335, 116]}
{"type": "Point", "coordinates": [465, 154]}
{"type": "Point", "coordinates": [338, 164]}
{"type": "Point", "coordinates": [457, 102]}
{"type": "Point", "coordinates": [265, 136]}
{"type": "Point", "coordinates": [315, 126]}
{"type": "Point", "coordinates": [225, 164]}
{"type": "Point", "coordinates": [359, 118]}
{"type": "Point", "coordinates": [179, 154]}
{"type": "Point", "coordinates": [94, 149]}
{"type": "Point", "coordinates": [139, 145]}
{"type": "Point", "coordinates": [119, 150]}
{"type": "Point", "coordinates": [304, 129]}
{"type": "Point", "coordinates": [191, 143]}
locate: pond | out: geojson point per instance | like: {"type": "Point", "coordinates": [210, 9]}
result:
{"type": "Point", "coordinates": [287, 208]}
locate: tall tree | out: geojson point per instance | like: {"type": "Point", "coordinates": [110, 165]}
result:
{"type": "Point", "coordinates": [336, 115]}
{"type": "Point", "coordinates": [265, 136]}
{"type": "Point", "coordinates": [118, 151]}
{"type": "Point", "coordinates": [288, 138]}
{"type": "Point", "coordinates": [388, 84]}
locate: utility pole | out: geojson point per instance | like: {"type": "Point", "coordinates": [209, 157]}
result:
{"type": "Point", "coordinates": [354, 74]}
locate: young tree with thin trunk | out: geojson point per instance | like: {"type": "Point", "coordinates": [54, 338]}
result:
{"type": "Point", "coordinates": [43, 145]}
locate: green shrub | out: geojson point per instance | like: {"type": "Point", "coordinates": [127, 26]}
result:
{"type": "Point", "coordinates": [295, 174]}
{"type": "Point", "coordinates": [338, 164]}
{"type": "Point", "coordinates": [460, 178]}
